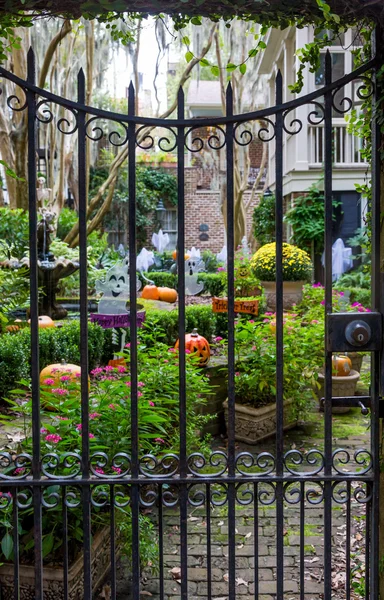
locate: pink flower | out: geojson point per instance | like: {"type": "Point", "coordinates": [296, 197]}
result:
{"type": "Point", "coordinates": [53, 437]}
{"type": "Point", "coordinates": [218, 338]}
{"type": "Point", "coordinates": [317, 285]}
{"type": "Point", "coordinates": [97, 371]}
{"type": "Point", "coordinates": [121, 369]}
{"type": "Point", "coordinates": [112, 407]}
{"type": "Point", "coordinates": [111, 378]}
{"type": "Point", "coordinates": [322, 302]}
{"type": "Point", "coordinates": [128, 383]}
{"type": "Point", "coordinates": [49, 381]}
{"type": "Point", "coordinates": [251, 321]}
{"type": "Point", "coordinates": [171, 350]}
{"type": "Point", "coordinates": [99, 470]}
{"type": "Point", "coordinates": [219, 269]}
{"type": "Point", "coordinates": [94, 415]}
{"type": "Point", "coordinates": [55, 370]}
{"type": "Point", "coordinates": [79, 427]}
{"type": "Point", "coordinates": [140, 384]}
{"type": "Point", "coordinates": [187, 351]}
{"type": "Point", "coordinates": [265, 320]}
{"type": "Point", "coordinates": [43, 430]}
{"type": "Point", "coordinates": [253, 348]}
{"type": "Point", "coordinates": [127, 345]}
{"type": "Point", "coordinates": [166, 361]}
{"type": "Point", "coordinates": [65, 378]}
{"type": "Point", "coordinates": [314, 322]}
{"type": "Point", "coordinates": [139, 394]}
{"type": "Point", "coordinates": [116, 469]}
{"type": "Point", "coordinates": [237, 374]}
{"type": "Point", "coordinates": [356, 304]}
{"type": "Point", "coordinates": [108, 368]}
{"type": "Point", "coordinates": [151, 403]}
{"type": "Point", "coordinates": [60, 391]}
{"type": "Point", "coordinates": [91, 436]}
{"type": "Point", "coordinates": [341, 293]}
{"type": "Point", "coordinates": [61, 418]}
{"type": "Point", "coordinates": [78, 375]}
{"type": "Point", "coordinates": [159, 440]}
{"type": "Point", "coordinates": [18, 471]}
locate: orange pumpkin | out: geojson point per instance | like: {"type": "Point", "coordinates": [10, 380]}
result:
{"type": "Point", "coordinates": [117, 362]}
{"type": "Point", "coordinates": [174, 255]}
{"type": "Point", "coordinates": [58, 370]}
{"type": "Point", "coordinates": [150, 292]}
{"type": "Point", "coordinates": [167, 294]}
{"type": "Point", "coordinates": [12, 328]}
{"type": "Point", "coordinates": [198, 346]}
{"type": "Point", "coordinates": [341, 366]}
{"type": "Point", "coordinates": [44, 322]}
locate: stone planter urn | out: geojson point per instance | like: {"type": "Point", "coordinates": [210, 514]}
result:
{"type": "Point", "coordinates": [253, 425]}
{"type": "Point", "coordinates": [356, 360]}
{"type": "Point", "coordinates": [292, 293]}
{"type": "Point", "coordinates": [53, 585]}
{"type": "Point", "coordinates": [341, 386]}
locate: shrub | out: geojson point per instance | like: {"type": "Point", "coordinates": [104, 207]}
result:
{"type": "Point", "coordinates": [14, 229]}
{"type": "Point", "coordinates": [214, 283]}
{"type": "Point", "coordinates": [162, 326]}
{"type": "Point", "coordinates": [296, 263]}
{"type": "Point", "coordinates": [264, 220]}
{"type": "Point", "coordinates": [55, 344]}
{"type": "Point", "coordinates": [160, 278]}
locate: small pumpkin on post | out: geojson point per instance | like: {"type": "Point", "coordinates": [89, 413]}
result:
{"type": "Point", "coordinates": [197, 346]}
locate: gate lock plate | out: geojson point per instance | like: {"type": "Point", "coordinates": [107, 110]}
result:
{"type": "Point", "coordinates": [354, 332]}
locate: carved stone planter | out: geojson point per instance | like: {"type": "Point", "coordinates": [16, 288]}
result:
{"type": "Point", "coordinates": [53, 586]}
{"type": "Point", "coordinates": [253, 425]}
{"type": "Point", "coordinates": [356, 360]}
{"type": "Point", "coordinates": [292, 293]}
{"type": "Point", "coordinates": [341, 387]}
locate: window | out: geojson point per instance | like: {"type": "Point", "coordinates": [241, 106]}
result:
{"type": "Point", "coordinates": [168, 221]}
{"type": "Point", "coordinates": [338, 68]}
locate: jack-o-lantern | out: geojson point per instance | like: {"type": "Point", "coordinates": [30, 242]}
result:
{"type": "Point", "coordinates": [341, 366]}
{"type": "Point", "coordinates": [197, 346]}
{"type": "Point", "coordinates": [44, 321]}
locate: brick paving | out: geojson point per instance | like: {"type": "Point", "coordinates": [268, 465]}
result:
{"type": "Point", "coordinates": [351, 432]}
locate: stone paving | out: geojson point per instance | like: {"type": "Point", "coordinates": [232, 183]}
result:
{"type": "Point", "coordinates": [350, 432]}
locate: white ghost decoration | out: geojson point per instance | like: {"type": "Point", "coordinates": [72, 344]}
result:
{"type": "Point", "coordinates": [193, 266]}
{"type": "Point", "coordinates": [160, 241]}
{"type": "Point", "coordinates": [245, 247]}
{"type": "Point", "coordinates": [145, 259]}
{"type": "Point", "coordinates": [115, 289]}
{"type": "Point", "coordinates": [222, 255]}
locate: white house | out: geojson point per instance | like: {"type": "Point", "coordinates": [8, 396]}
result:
{"type": "Point", "coordinates": [304, 152]}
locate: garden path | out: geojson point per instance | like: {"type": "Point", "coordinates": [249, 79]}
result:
{"type": "Point", "coordinates": [350, 432]}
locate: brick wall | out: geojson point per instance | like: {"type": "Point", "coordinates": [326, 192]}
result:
{"type": "Point", "coordinates": [204, 207]}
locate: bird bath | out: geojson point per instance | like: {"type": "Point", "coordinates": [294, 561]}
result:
{"type": "Point", "coordinates": [50, 269]}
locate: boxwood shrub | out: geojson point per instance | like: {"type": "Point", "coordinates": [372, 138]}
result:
{"type": "Point", "coordinates": [214, 283]}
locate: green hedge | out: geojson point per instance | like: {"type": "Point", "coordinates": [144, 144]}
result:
{"type": "Point", "coordinates": [55, 344]}
{"type": "Point", "coordinates": [214, 283]}
{"type": "Point", "coordinates": [162, 326]}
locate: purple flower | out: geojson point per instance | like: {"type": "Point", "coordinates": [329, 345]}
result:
{"type": "Point", "coordinates": [65, 378]}
{"type": "Point", "coordinates": [159, 440]}
{"type": "Point", "coordinates": [116, 469]}
{"type": "Point", "coordinates": [109, 368]}
{"type": "Point", "coordinates": [49, 381]}
{"type": "Point", "coordinates": [94, 415]}
{"type": "Point", "coordinates": [151, 403]}
{"type": "Point", "coordinates": [220, 269]}
{"type": "Point", "coordinates": [97, 371]}
{"type": "Point", "coordinates": [322, 302]}
{"type": "Point", "coordinates": [218, 339]}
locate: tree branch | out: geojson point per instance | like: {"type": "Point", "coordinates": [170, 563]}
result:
{"type": "Point", "coordinates": [66, 28]}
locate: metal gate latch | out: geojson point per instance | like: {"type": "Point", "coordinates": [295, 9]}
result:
{"type": "Point", "coordinates": [354, 332]}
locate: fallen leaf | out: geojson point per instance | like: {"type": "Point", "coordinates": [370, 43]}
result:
{"type": "Point", "coordinates": [358, 537]}
{"type": "Point", "coordinates": [193, 518]}
{"type": "Point", "coordinates": [240, 546]}
{"type": "Point", "coordinates": [220, 523]}
{"type": "Point", "coordinates": [240, 581]}
{"type": "Point", "coordinates": [248, 535]}
{"type": "Point", "coordinates": [226, 576]}
{"type": "Point", "coordinates": [312, 560]}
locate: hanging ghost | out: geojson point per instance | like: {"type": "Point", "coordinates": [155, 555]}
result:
{"type": "Point", "coordinates": [115, 289]}
{"type": "Point", "coordinates": [193, 266]}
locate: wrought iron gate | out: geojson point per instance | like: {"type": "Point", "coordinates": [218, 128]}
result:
{"type": "Point", "coordinates": [307, 478]}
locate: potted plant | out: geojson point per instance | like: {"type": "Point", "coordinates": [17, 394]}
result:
{"type": "Point", "coordinates": [110, 443]}
{"type": "Point", "coordinates": [296, 270]}
{"type": "Point", "coordinates": [255, 380]}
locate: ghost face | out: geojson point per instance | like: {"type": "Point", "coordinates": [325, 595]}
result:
{"type": "Point", "coordinates": [116, 285]}
{"type": "Point", "coordinates": [193, 265]}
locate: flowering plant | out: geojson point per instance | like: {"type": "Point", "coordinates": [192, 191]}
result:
{"type": "Point", "coordinates": [109, 439]}
{"type": "Point", "coordinates": [296, 263]}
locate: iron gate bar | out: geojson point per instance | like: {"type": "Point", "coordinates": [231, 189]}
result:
{"type": "Point", "coordinates": [34, 300]}
{"type": "Point", "coordinates": [279, 338]}
{"type": "Point", "coordinates": [229, 135]}
{"type": "Point", "coordinates": [204, 121]}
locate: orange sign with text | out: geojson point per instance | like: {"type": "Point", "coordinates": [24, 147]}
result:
{"type": "Point", "coordinates": [250, 307]}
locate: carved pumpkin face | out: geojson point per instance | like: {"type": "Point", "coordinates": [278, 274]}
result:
{"type": "Point", "coordinates": [198, 346]}
{"type": "Point", "coordinates": [341, 366]}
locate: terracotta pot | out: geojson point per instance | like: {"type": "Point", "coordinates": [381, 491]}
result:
{"type": "Point", "coordinates": [292, 293]}
{"type": "Point", "coordinates": [53, 586]}
{"type": "Point", "coordinates": [253, 425]}
{"type": "Point", "coordinates": [356, 360]}
{"type": "Point", "coordinates": [341, 387]}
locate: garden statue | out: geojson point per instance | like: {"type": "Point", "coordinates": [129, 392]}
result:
{"type": "Point", "coordinates": [160, 241]}
{"type": "Point", "coordinates": [43, 193]}
{"type": "Point", "coordinates": [44, 229]}
{"type": "Point", "coordinates": [194, 265]}
{"type": "Point", "coordinates": [115, 289]}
